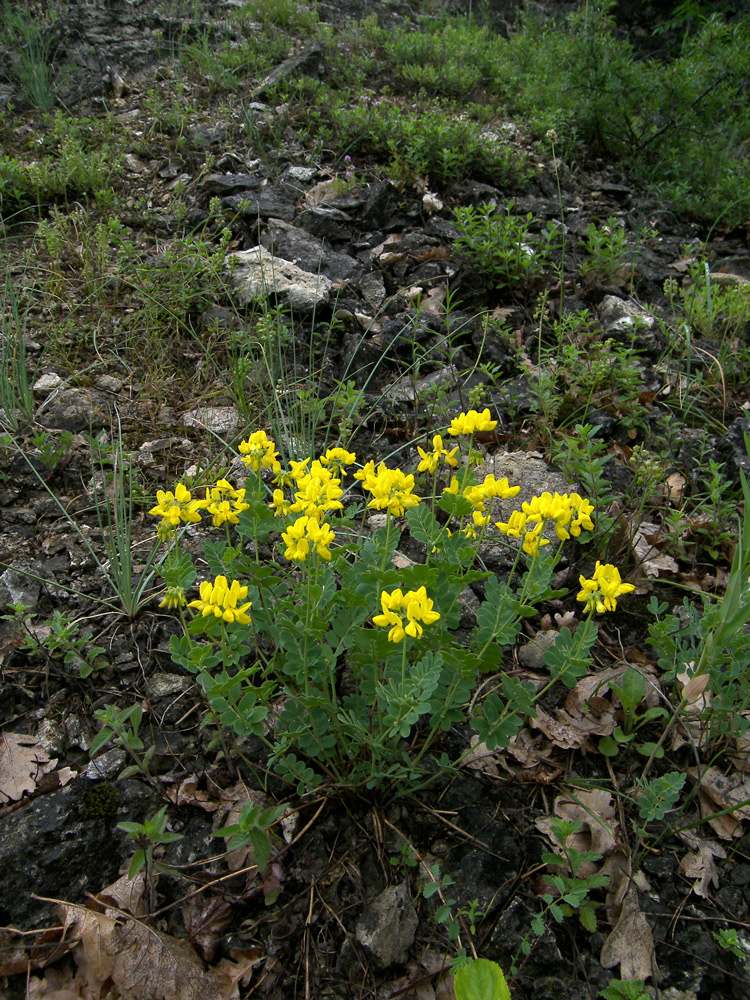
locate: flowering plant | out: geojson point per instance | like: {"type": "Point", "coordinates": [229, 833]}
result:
{"type": "Point", "coordinates": [370, 655]}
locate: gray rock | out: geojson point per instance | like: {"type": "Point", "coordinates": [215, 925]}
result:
{"type": "Point", "coordinates": [163, 685]}
{"type": "Point", "coordinates": [106, 765]}
{"type": "Point", "coordinates": [387, 928]}
{"type": "Point", "coordinates": [303, 175]}
{"type": "Point", "coordinates": [306, 251]}
{"type": "Point", "coordinates": [18, 588]}
{"type": "Point", "coordinates": [325, 222]}
{"type": "Point", "coordinates": [733, 450]}
{"type": "Point", "coordinates": [532, 654]}
{"type": "Point", "coordinates": [372, 288]}
{"type": "Point", "coordinates": [267, 203]}
{"type": "Point", "coordinates": [219, 419]}
{"type": "Point", "coordinates": [258, 273]}
{"type": "Point", "coordinates": [47, 383]}
{"type": "Point", "coordinates": [72, 410]}
{"type": "Point", "coordinates": [225, 184]}
{"type": "Point", "coordinates": [629, 324]}
{"type": "Point", "coordinates": [65, 844]}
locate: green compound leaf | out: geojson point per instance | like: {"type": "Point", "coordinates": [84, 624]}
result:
{"type": "Point", "coordinates": [481, 980]}
{"type": "Point", "coordinates": [659, 796]}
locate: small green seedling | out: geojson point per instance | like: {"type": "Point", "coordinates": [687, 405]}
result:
{"type": "Point", "coordinates": [251, 828]}
{"type": "Point", "coordinates": [625, 989]}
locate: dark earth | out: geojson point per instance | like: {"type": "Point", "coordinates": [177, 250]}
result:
{"type": "Point", "coordinates": [342, 919]}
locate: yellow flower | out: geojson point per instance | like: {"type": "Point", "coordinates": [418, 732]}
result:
{"type": "Point", "coordinates": [280, 505]}
{"type": "Point", "coordinates": [221, 600]}
{"type": "Point", "coordinates": [319, 492]}
{"type": "Point", "coordinates": [533, 540]}
{"type": "Point", "coordinates": [414, 604]}
{"type": "Point", "coordinates": [305, 534]}
{"type": "Point", "coordinates": [515, 524]}
{"type": "Point", "coordinates": [258, 452]}
{"type": "Point", "coordinates": [391, 490]}
{"type": "Point", "coordinates": [225, 503]}
{"type": "Point", "coordinates": [469, 423]}
{"type": "Point", "coordinates": [582, 509]}
{"type": "Point", "coordinates": [603, 589]}
{"type": "Point", "coordinates": [430, 460]}
{"type": "Point", "coordinates": [338, 459]}
{"type": "Point", "coordinates": [174, 597]}
{"type": "Point", "coordinates": [178, 507]}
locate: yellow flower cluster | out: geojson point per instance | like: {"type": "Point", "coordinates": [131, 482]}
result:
{"type": "Point", "coordinates": [415, 605]}
{"type": "Point", "coordinates": [431, 459]}
{"type": "Point", "coordinates": [308, 534]}
{"type": "Point", "coordinates": [319, 490]}
{"type": "Point", "coordinates": [391, 488]}
{"type": "Point", "coordinates": [571, 514]}
{"type": "Point", "coordinates": [603, 589]}
{"type": "Point", "coordinates": [259, 453]}
{"type": "Point", "coordinates": [225, 503]}
{"type": "Point", "coordinates": [177, 508]}
{"type": "Point", "coordinates": [221, 600]}
{"type": "Point", "coordinates": [469, 423]}
{"type": "Point", "coordinates": [479, 495]}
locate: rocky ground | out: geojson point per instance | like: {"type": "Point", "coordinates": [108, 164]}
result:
{"type": "Point", "coordinates": [373, 280]}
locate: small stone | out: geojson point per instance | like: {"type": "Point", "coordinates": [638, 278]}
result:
{"type": "Point", "coordinates": [219, 419]}
{"type": "Point", "coordinates": [106, 765]}
{"type": "Point", "coordinates": [163, 685]}
{"type": "Point", "coordinates": [387, 928]}
{"type": "Point", "coordinates": [46, 384]}
{"type": "Point", "coordinates": [109, 383]}
{"type": "Point", "coordinates": [18, 588]}
{"type": "Point", "coordinates": [531, 655]}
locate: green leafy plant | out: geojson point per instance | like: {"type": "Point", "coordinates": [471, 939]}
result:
{"type": "Point", "coordinates": [624, 989]}
{"type": "Point", "coordinates": [17, 405]}
{"type": "Point", "coordinates": [631, 691]}
{"type": "Point", "coordinates": [59, 637]}
{"type": "Point", "coordinates": [121, 727]}
{"type": "Point", "coordinates": [502, 246]}
{"type": "Point", "coordinates": [606, 250]}
{"type": "Point", "coordinates": [314, 609]}
{"type": "Point", "coordinates": [728, 940]}
{"type": "Point", "coordinates": [149, 835]}
{"type": "Point", "coordinates": [252, 828]}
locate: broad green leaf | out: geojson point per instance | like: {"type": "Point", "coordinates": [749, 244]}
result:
{"type": "Point", "coordinates": [481, 980]}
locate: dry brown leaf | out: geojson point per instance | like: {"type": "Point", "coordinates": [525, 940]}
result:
{"type": "Point", "coordinates": [700, 864]}
{"type": "Point", "coordinates": [721, 791]}
{"type": "Point", "coordinates": [630, 944]}
{"type": "Point", "coordinates": [326, 191]}
{"type": "Point", "coordinates": [595, 810]}
{"type": "Point", "coordinates": [572, 732]}
{"type": "Point", "coordinates": [206, 919]}
{"type": "Point", "coordinates": [676, 484]}
{"type": "Point", "coordinates": [22, 763]}
{"type": "Point", "coordinates": [651, 561]}
{"type": "Point", "coordinates": [187, 793]}
{"type": "Point", "coordinates": [141, 962]}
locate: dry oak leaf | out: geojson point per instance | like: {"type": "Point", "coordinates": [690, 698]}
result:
{"type": "Point", "coordinates": [140, 962]}
{"type": "Point", "coordinates": [723, 791]}
{"type": "Point", "coordinates": [651, 561]}
{"type": "Point", "coordinates": [571, 732]}
{"type": "Point", "coordinates": [22, 763]}
{"type": "Point", "coordinates": [700, 864]}
{"type": "Point", "coordinates": [596, 811]}
{"type": "Point", "coordinates": [631, 942]}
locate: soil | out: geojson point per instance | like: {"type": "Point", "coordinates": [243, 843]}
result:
{"type": "Point", "coordinates": [306, 929]}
